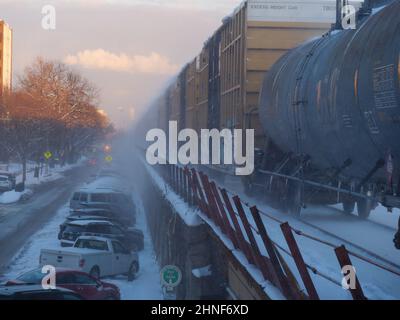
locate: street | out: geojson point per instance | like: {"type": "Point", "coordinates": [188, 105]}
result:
{"type": "Point", "coordinates": [18, 222]}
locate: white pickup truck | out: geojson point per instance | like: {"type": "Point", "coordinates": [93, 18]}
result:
{"type": "Point", "coordinates": [100, 257]}
{"type": "Point", "coordinates": [5, 184]}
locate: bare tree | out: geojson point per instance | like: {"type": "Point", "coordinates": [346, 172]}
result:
{"type": "Point", "coordinates": [53, 109]}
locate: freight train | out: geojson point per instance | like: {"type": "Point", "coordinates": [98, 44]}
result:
{"type": "Point", "coordinates": [326, 111]}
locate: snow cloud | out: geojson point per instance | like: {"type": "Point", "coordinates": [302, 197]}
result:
{"type": "Point", "coordinates": [154, 63]}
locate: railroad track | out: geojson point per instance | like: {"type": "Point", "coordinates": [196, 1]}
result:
{"type": "Point", "coordinates": [350, 218]}
{"type": "Point", "coordinates": [353, 244]}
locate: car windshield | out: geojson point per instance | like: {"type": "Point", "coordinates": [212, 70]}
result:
{"type": "Point", "coordinates": [34, 277]}
{"type": "Point", "coordinates": [92, 244]}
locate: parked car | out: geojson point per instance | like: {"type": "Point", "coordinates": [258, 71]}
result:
{"type": "Point", "coordinates": [105, 198]}
{"type": "Point", "coordinates": [133, 239]}
{"type": "Point", "coordinates": [100, 257]}
{"type": "Point", "coordinates": [110, 173]}
{"type": "Point", "coordinates": [5, 184]}
{"type": "Point", "coordinates": [79, 282]}
{"type": "Point", "coordinates": [100, 214]}
{"type": "Point", "coordinates": [7, 181]}
{"type": "Point", "coordinates": [36, 293]}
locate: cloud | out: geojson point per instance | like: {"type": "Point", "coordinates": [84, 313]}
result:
{"type": "Point", "coordinates": [154, 63]}
{"type": "Point", "coordinates": [180, 4]}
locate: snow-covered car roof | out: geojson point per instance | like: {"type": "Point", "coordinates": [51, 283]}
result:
{"type": "Point", "coordinates": [89, 210]}
{"type": "Point", "coordinates": [104, 190]}
{"type": "Point", "coordinates": [89, 218]}
{"type": "Point", "coordinates": [89, 222]}
{"type": "Point", "coordinates": [93, 238]}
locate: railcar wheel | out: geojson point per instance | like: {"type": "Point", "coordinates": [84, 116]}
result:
{"type": "Point", "coordinates": [349, 206]}
{"type": "Point", "coordinates": [364, 208]}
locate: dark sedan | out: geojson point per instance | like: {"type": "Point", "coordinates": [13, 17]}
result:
{"type": "Point", "coordinates": [132, 239]}
{"type": "Point", "coordinates": [79, 282]}
{"type": "Point", "coordinates": [35, 292]}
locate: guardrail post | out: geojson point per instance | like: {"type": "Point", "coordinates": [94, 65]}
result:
{"type": "Point", "coordinates": [198, 191]}
{"type": "Point", "coordinates": [183, 179]}
{"type": "Point", "coordinates": [218, 209]}
{"type": "Point", "coordinates": [193, 187]}
{"type": "Point", "coordinates": [345, 261]}
{"type": "Point", "coordinates": [187, 185]}
{"type": "Point", "coordinates": [258, 258]}
{"type": "Point", "coordinates": [224, 216]}
{"type": "Point", "coordinates": [238, 234]}
{"type": "Point", "coordinates": [181, 183]}
{"type": "Point", "coordinates": [173, 179]}
{"type": "Point", "coordinates": [213, 211]}
{"type": "Point", "coordinates": [298, 259]}
{"type": "Point", "coordinates": [277, 274]}
{"type": "Point", "coordinates": [176, 179]}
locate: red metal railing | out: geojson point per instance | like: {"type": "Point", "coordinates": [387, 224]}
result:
{"type": "Point", "coordinates": [227, 213]}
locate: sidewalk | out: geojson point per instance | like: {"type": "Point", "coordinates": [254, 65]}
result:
{"type": "Point", "coordinates": [31, 182]}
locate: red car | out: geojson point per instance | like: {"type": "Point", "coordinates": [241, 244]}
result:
{"type": "Point", "coordinates": [79, 282]}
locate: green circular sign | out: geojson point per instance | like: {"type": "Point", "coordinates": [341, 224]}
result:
{"type": "Point", "coordinates": [171, 276]}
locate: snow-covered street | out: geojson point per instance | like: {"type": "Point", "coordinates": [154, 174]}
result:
{"type": "Point", "coordinates": [45, 175]}
{"type": "Point", "coordinates": [145, 287]}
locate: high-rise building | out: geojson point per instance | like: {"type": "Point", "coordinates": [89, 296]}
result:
{"type": "Point", "coordinates": [5, 58]}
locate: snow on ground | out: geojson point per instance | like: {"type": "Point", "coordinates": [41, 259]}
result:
{"type": "Point", "coordinates": [202, 272]}
{"type": "Point", "coordinates": [28, 257]}
{"type": "Point", "coordinates": [375, 235]}
{"type": "Point", "coordinates": [52, 174]}
{"type": "Point", "coordinates": [377, 284]}
{"type": "Point", "coordinates": [46, 175]}
{"type": "Point", "coordinates": [10, 197]}
{"type": "Point", "coordinates": [13, 196]}
{"type": "Point", "coordinates": [381, 215]}
{"type": "Point", "coordinates": [146, 286]}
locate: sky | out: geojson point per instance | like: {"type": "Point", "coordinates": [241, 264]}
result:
{"type": "Point", "coordinates": [129, 49]}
